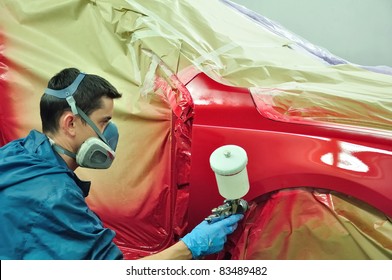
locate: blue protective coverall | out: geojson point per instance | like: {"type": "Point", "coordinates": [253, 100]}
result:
{"type": "Point", "coordinates": [43, 210]}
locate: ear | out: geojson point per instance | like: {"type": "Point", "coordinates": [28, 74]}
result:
{"type": "Point", "coordinates": [67, 123]}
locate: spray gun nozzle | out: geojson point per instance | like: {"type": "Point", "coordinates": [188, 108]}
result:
{"type": "Point", "coordinates": [229, 207]}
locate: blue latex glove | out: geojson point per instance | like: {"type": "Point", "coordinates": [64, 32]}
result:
{"type": "Point", "coordinates": [207, 238]}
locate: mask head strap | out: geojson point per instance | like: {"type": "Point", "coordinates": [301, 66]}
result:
{"type": "Point", "coordinates": [69, 90]}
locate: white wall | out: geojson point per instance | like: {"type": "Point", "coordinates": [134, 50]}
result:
{"type": "Point", "coordinates": [359, 31]}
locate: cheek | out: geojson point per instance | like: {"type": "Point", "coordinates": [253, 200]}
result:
{"type": "Point", "coordinates": [85, 132]}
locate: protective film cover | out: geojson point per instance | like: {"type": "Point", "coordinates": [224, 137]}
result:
{"type": "Point", "coordinates": [310, 224]}
{"type": "Point", "coordinates": [140, 47]}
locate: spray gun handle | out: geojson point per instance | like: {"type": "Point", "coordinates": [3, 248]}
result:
{"type": "Point", "coordinates": [229, 207]}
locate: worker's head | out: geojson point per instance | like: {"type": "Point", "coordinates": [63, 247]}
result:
{"type": "Point", "coordinates": [76, 110]}
{"type": "Point", "coordinates": [88, 97]}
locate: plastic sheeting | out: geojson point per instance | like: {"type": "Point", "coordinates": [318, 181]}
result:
{"type": "Point", "coordinates": [140, 46]}
{"type": "Point", "coordinates": [324, 102]}
{"type": "Point", "coordinates": [305, 224]}
{"type": "Point", "coordinates": [300, 43]}
{"type": "Point", "coordinates": [341, 94]}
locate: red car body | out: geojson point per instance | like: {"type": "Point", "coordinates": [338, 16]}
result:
{"type": "Point", "coordinates": [282, 155]}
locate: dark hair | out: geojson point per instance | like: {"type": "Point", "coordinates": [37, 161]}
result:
{"type": "Point", "coordinates": [87, 97]}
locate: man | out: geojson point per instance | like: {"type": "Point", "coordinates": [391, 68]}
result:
{"type": "Point", "coordinates": [43, 210]}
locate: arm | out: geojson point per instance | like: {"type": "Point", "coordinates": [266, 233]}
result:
{"type": "Point", "coordinates": [178, 251]}
{"type": "Point", "coordinates": [204, 239]}
{"type": "Point", "coordinates": [66, 228]}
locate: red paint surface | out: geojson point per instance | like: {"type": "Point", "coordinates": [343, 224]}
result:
{"type": "Point", "coordinates": [7, 114]}
{"type": "Point", "coordinates": [280, 154]}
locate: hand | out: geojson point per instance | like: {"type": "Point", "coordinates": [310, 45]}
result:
{"type": "Point", "coordinates": [207, 238]}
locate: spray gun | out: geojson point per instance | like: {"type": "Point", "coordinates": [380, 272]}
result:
{"type": "Point", "coordinates": [229, 207]}
{"type": "Point", "coordinates": [229, 164]}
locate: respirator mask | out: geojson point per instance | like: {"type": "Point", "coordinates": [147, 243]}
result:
{"type": "Point", "coordinates": [95, 152]}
